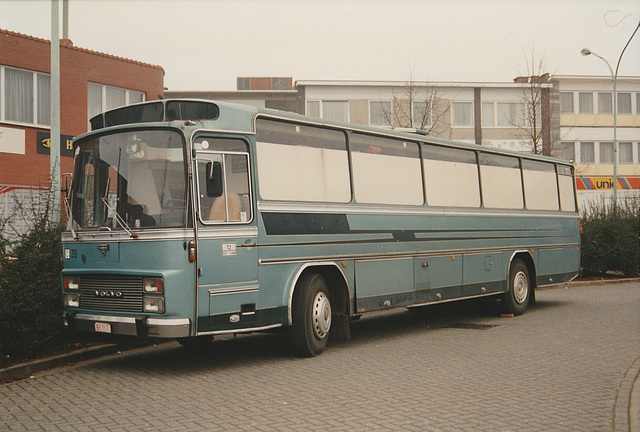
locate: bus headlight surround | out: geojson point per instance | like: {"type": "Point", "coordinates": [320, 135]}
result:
{"type": "Point", "coordinates": [153, 304]}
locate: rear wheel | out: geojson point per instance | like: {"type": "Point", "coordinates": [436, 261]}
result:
{"type": "Point", "coordinates": [311, 316]}
{"type": "Point", "coordinates": [518, 294]}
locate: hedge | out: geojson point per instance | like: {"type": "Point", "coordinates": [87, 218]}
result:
{"type": "Point", "coordinates": [611, 239]}
{"type": "Point", "coordinates": [30, 292]}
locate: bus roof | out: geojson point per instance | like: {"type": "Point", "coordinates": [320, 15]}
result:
{"type": "Point", "coordinates": [233, 117]}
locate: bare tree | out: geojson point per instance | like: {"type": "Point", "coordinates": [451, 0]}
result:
{"type": "Point", "coordinates": [415, 105]}
{"type": "Point", "coordinates": [537, 112]}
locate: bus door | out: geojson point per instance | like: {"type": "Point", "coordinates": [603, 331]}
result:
{"type": "Point", "coordinates": [226, 236]}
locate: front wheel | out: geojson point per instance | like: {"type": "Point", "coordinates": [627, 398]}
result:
{"type": "Point", "coordinates": [518, 294]}
{"type": "Point", "coordinates": [311, 316]}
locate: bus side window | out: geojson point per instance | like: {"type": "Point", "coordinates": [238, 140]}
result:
{"type": "Point", "coordinates": [223, 183]}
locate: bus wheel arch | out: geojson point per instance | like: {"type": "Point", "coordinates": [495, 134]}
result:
{"type": "Point", "coordinates": [306, 299]}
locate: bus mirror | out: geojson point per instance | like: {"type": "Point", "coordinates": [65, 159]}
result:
{"type": "Point", "coordinates": [214, 179]}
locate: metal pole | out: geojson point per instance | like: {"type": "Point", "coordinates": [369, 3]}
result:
{"type": "Point", "coordinates": [65, 19]}
{"type": "Point", "coordinates": [54, 155]}
{"type": "Point", "coordinates": [615, 143]}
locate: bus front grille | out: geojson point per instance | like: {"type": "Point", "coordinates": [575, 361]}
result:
{"type": "Point", "coordinates": [111, 293]}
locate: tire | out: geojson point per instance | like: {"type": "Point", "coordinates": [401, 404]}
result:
{"type": "Point", "coordinates": [516, 299]}
{"type": "Point", "coordinates": [311, 316]}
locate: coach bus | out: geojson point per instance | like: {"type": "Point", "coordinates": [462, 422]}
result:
{"type": "Point", "coordinates": [192, 218]}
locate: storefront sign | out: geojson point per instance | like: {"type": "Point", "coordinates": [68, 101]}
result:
{"type": "Point", "coordinates": [606, 183]}
{"type": "Point", "coordinates": [44, 144]}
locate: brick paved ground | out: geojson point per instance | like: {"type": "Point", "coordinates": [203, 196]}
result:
{"type": "Point", "coordinates": [450, 368]}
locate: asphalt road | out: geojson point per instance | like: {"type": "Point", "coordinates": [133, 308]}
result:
{"type": "Point", "coordinates": [568, 364]}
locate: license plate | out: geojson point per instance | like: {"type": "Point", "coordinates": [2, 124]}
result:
{"type": "Point", "coordinates": [102, 327]}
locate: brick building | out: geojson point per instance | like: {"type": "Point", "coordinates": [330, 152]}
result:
{"type": "Point", "coordinates": [90, 82]}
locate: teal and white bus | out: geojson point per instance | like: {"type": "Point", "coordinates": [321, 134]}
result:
{"type": "Point", "coordinates": [192, 218]}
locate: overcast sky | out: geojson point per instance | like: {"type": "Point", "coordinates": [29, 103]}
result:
{"type": "Point", "coordinates": [206, 44]}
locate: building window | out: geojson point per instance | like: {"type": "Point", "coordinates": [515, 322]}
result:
{"type": "Point", "coordinates": [335, 110]}
{"type": "Point", "coordinates": [488, 114]}
{"type": "Point", "coordinates": [624, 103]}
{"type": "Point", "coordinates": [330, 110]}
{"type": "Point", "coordinates": [278, 83]}
{"type": "Point", "coordinates": [102, 98]}
{"type": "Point", "coordinates": [26, 97]}
{"type": "Point", "coordinates": [380, 113]}
{"type": "Point", "coordinates": [567, 151]}
{"type": "Point", "coordinates": [510, 114]}
{"type": "Point", "coordinates": [587, 152]}
{"type": "Point", "coordinates": [637, 103]}
{"type": "Point", "coordinates": [462, 114]}
{"type": "Point", "coordinates": [625, 152]}
{"type": "Point", "coordinates": [421, 114]}
{"type": "Point", "coordinates": [566, 103]}
{"type": "Point", "coordinates": [313, 108]}
{"type": "Point", "coordinates": [585, 103]}
{"type": "Point", "coordinates": [243, 83]}
{"type": "Point", "coordinates": [605, 103]}
{"type": "Point", "coordinates": [606, 152]}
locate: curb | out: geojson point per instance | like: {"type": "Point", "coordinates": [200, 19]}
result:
{"type": "Point", "coordinates": [579, 283]}
{"type": "Point", "coordinates": [626, 413]}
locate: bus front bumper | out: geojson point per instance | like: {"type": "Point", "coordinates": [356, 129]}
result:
{"type": "Point", "coordinates": [141, 326]}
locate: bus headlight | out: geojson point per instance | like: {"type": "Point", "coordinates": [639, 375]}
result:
{"type": "Point", "coordinates": [153, 304]}
{"type": "Point", "coordinates": [152, 285]}
{"type": "Point", "coordinates": [71, 282]}
{"type": "Point", "coordinates": [72, 300]}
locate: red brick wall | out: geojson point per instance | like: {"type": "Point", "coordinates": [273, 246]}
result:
{"type": "Point", "coordinates": [78, 67]}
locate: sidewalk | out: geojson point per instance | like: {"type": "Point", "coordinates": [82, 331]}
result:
{"type": "Point", "coordinates": [627, 405]}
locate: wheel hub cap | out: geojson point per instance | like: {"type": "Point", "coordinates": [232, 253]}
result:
{"type": "Point", "coordinates": [321, 315]}
{"type": "Point", "coordinates": [520, 287]}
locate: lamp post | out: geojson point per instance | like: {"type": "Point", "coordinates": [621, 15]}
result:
{"type": "Point", "coordinates": [614, 77]}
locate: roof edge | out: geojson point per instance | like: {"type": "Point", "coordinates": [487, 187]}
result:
{"type": "Point", "coordinates": [85, 50]}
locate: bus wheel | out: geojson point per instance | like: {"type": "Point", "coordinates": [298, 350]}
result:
{"type": "Point", "coordinates": [311, 316]}
{"type": "Point", "coordinates": [518, 294]}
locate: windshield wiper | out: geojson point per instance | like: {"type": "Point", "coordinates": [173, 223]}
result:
{"type": "Point", "coordinates": [119, 219]}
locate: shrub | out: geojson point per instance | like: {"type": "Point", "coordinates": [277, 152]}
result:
{"type": "Point", "coordinates": [611, 239]}
{"type": "Point", "coordinates": [30, 294]}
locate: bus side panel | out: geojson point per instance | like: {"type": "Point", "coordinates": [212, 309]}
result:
{"type": "Point", "coordinates": [438, 278]}
{"type": "Point", "coordinates": [483, 274]}
{"type": "Point", "coordinates": [556, 265]}
{"type": "Point", "coordinates": [382, 284]}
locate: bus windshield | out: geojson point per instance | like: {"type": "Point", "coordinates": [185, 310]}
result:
{"type": "Point", "coordinates": [137, 176]}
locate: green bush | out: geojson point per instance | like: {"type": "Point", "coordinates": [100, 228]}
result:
{"type": "Point", "coordinates": [611, 239]}
{"type": "Point", "coordinates": [30, 294]}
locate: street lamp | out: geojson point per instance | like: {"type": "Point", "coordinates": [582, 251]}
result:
{"type": "Point", "coordinates": [614, 77]}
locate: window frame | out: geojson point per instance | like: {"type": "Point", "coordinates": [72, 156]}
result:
{"type": "Point", "coordinates": [103, 98]}
{"type": "Point", "coordinates": [602, 102]}
{"type": "Point", "coordinates": [453, 114]}
{"type": "Point", "coordinates": [387, 122]}
{"type": "Point", "coordinates": [35, 98]}
{"type": "Point", "coordinates": [588, 104]}
{"type": "Point", "coordinates": [203, 157]}
{"type": "Point", "coordinates": [619, 101]}
{"type": "Point", "coordinates": [321, 103]}
{"type": "Point", "coordinates": [564, 103]}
